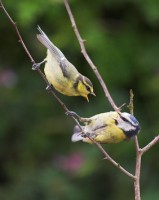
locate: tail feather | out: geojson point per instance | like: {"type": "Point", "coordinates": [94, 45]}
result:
{"type": "Point", "coordinates": [42, 37]}
{"type": "Point", "coordinates": [76, 134]}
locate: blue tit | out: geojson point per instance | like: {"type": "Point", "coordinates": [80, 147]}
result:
{"type": "Point", "coordinates": [109, 127]}
{"type": "Point", "coordinates": [61, 74]}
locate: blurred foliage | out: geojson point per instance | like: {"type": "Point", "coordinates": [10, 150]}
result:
{"type": "Point", "coordinates": [37, 158]}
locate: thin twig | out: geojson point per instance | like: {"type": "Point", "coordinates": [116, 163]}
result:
{"type": "Point", "coordinates": [138, 153]}
{"type": "Point", "coordinates": [150, 145]}
{"type": "Point", "coordinates": [32, 60]}
{"type": "Point", "coordinates": [111, 160]}
{"type": "Point", "coordinates": [84, 52]}
{"type": "Point", "coordinates": [57, 98]}
{"type": "Point", "coordinates": [131, 103]}
{"type": "Point", "coordinates": [137, 170]}
{"type": "Point", "coordinates": [17, 31]}
{"type": "Point", "coordinates": [105, 89]}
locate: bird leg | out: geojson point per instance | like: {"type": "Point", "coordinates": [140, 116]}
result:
{"type": "Point", "coordinates": [86, 135]}
{"type": "Point", "coordinates": [36, 66]}
{"type": "Point", "coordinates": [74, 114]}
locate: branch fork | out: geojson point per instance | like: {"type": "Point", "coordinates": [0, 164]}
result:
{"type": "Point", "coordinates": [139, 151]}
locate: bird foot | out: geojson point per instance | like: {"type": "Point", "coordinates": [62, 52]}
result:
{"type": "Point", "coordinates": [72, 114]}
{"type": "Point", "coordinates": [86, 135]}
{"type": "Point", "coordinates": [36, 66]}
{"type": "Point", "coordinates": [75, 115]}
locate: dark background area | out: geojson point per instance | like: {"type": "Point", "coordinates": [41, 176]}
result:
{"type": "Point", "coordinates": [37, 158]}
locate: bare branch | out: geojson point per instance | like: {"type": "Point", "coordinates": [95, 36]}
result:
{"type": "Point", "coordinates": [131, 103]}
{"type": "Point", "coordinates": [111, 160]}
{"type": "Point", "coordinates": [150, 145]}
{"type": "Point", "coordinates": [32, 60]}
{"type": "Point", "coordinates": [138, 153]}
{"type": "Point", "coordinates": [105, 89]}
{"type": "Point", "coordinates": [84, 52]}
{"type": "Point", "coordinates": [51, 91]}
{"type": "Point", "coordinates": [137, 170]}
{"type": "Point", "coordinates": [136, 144]}
{"type": "Point", "coordinates": [17, 31]}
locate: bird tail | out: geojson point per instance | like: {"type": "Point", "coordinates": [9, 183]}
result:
{"type": "Point", "coordinates": [76, 134]}
{"type": "Point", "coordinates": [42, 37]}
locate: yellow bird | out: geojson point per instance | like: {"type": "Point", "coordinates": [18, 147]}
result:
{"type": "Point", "coordinates": [61, 74]}
{"type": "Point", "coordinates": [109, 127]}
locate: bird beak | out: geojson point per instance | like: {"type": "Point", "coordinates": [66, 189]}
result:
{"type": "Point", "coordinates": [87, 98]}
{"type": "Point", "coordinates": [93, 94]}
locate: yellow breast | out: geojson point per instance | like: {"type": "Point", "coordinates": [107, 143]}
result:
{"type": "Point", "coordinates": [55, 76]}
{"type": "Point", "coordinates": [104, 130]}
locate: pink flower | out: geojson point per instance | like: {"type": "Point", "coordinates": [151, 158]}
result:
{"type": "Point", "coordinates": [70, 163]}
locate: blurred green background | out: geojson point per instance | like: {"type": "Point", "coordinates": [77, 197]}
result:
{"type": "Point", "coordinates": [37, 158]}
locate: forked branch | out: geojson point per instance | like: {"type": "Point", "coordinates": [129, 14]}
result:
{"type": "Point", "coordinates": [88, 59]}
{"type": "Point", "coordinates": [139, 151]}
{"type": "Point", "coordinates": [58, 99]}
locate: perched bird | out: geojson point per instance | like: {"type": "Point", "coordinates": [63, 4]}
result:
{"type": "Point", "coordinates": [61, 74]}
{"type": "Point", "coordinates": [109, 127]}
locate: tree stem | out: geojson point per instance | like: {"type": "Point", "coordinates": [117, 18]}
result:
{"type": "Point", "coordinates": [137, 170]}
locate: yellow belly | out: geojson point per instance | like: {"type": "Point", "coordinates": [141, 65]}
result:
{"type": "Point", "coordinates": [110, 136]}
{"type": "Point", "coordinates": [104, 129]}
{"type": "Point", "coordinates": [58, 81]}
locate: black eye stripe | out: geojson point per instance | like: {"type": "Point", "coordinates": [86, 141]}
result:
{"type": "Point", "coordinates": [126, 120]}
{"type": "Point", "coordinates": [88, 88]}
{"type": "Point", "coordinates": [116, 121]}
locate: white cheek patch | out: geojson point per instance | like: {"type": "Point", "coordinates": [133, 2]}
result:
{"type": "Point", "coordinates": [125, 126]}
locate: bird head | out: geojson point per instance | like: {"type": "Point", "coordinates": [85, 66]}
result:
{"type": "Point", "coordinates": [128, 123]}
{"type": "Point", "coordinates": [86, 87]}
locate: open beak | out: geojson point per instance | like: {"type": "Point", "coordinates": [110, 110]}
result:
{"type": "Point", "coordinates": [93, 94]}
{"type": "Point", "coordinates": [86, 98]}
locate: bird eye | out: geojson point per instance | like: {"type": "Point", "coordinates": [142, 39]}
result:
{"type": "Point", "coordinates": [88, 88]}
